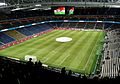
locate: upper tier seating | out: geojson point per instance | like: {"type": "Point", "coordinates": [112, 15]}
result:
{"type": "Point", "coordinates": [5, 26]}
{"type": "Point", "coordinates": [54, 24]}
{"type": "Point", "coordinates": [81, 25]}
{"type": "Point", "coordinates": [64, 24]}
{"type": "Point", "coordinates": [108, 25]}
{"type": "Point", "coordinates": [73, 25]}
{"type": "Point", "coordinates": [99, 26]}
{"type": "Point", "coordinates": [59, 24]}
{"type": "Point", "coordinates": [90, 26]}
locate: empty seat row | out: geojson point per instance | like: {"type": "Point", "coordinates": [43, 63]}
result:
{"type": "Point", "coordinates": [111, 67]}
{"type": "Point", "coordinates": [12, 35]}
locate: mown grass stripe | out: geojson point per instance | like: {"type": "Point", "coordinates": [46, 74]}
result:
{"type": "Point", "coordinates": [49, 46]}
{"type": "Point", "coordinates": [57, 48]}
{"type": "Point", "coordinates": [32, 51]}
{"type": "Point", "coordinates": [62, 49]}
{"type": "Point", "coordinates": [27, 44]}
{"type": "Point", "coordinates": [91, 52]}
{"type": "Point", "coordinates": [74, 47]}
{"type": "Point", "coordinates": [80, 55]}
{"type": "Point", "coordinates": [68, 50]}
{"type": "Point", "coordinates": [73, 55]}
{"type": "Point", "coordinates": [87, 51]}
{"type": "Point", "coordinates": [93, 55]}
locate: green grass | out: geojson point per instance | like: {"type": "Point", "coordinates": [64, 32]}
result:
{"type": "Point", "coordinates": [78, 55]}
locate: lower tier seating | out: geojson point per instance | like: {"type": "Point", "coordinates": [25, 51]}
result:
{"type": "Point", "coordinates": [12, 35]}
{"type": "Point", "coordinates": [15, 34]}
{"type": "Point", "coordinates": [5, 38]}
{"type": "Point", "coordinates": [25, 31]}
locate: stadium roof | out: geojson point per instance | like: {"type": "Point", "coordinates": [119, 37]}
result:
{"type": "Point", "coordinates": [44, 4]}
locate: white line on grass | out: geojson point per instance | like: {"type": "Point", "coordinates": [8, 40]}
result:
{"type": "Point", "coordinates": [91, 54]}
{"type": "Point", "coordinates": [66, 56]}
{"type": "Point", "coordinates": [82, 53]}
{"type": "Point", "coordinates": [57, 48]}
{"type": "Point", "coordinates": [69, 50]}
{"type": "Point", "coordinates": [27, 45]}
{"type": "Point", "coordinates": [81, 61]}
{"type": "Point", "coordinates": [44, 49]}
{"type": "Point", "coordinates": [36, 41]}
{"type": "Point", "coordinates": [79, 41]}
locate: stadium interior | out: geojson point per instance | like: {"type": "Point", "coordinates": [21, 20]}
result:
{"type": "Point", "coordinates": [23, 20]}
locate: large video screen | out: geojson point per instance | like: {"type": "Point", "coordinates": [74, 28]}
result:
{"type": "Point", "coordinates": [71, 10]}
{"type": "Point", "coordinates": [59, 10]}
{"type": "Point", "coordinates": [63, 10]}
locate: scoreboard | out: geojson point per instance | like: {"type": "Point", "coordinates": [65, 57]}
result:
{"type": "Point", "coordinates": [63, 10]}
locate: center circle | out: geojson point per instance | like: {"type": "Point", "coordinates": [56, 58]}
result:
{"type": "Point", "coordinates": [63, 39]}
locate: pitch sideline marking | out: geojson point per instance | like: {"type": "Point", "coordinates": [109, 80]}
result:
{"type": "Point", "coordinates": [82, 59]}
{"type": "Point", "coordinates": [69, 50]}
{"type": "Point", "coordinates": [54, 50]}
{"type": "Point", "coordinates": [90, 54]}
{"type": "Point", "coordinates": [80, 41]}
{"type": "Point", "coordinates": [30, 45]}
{"type": "Point", "coordinates": [44, 49]}
{"type": "Point", "coordinates": [26, 45]}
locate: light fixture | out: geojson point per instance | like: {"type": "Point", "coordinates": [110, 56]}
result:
{"type": "Point", "coordinates": [2, 4]}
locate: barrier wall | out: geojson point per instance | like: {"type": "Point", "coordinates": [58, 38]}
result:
{"type": "Point", "coordinates": [62, 28]}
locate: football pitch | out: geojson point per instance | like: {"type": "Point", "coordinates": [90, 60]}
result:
{"type": "Point", "coordinates": [78, 55]}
